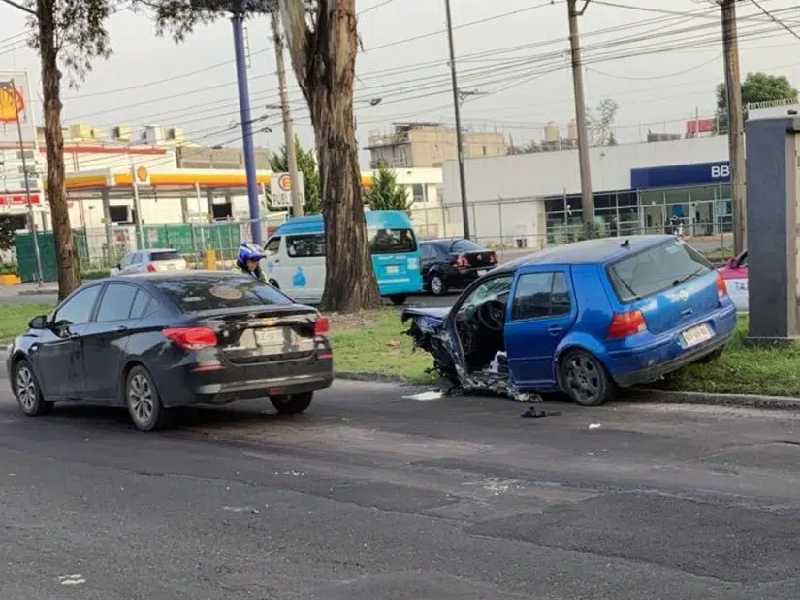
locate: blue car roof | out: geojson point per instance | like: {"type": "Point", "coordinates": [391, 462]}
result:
{"type": "Point", "coordinates": [600, 251]}
{"type": "Point", "coordinates": [376, 219]}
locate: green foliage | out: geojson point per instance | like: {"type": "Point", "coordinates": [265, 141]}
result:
{"type": "Point", "coordinates": [307, 164]}
{"type": "Point", "coordinates": [80, 32]}
{"type": "Point", "coordinates": [385, 193]}
{"type": "Point", "coordinates": [376, 344]}
{"type": "Point", "coordinates": [14, 318]}
{"type": "Point", "coordinates": [7, 235]}
{"type": "Point", "coordinates": [743, 368]}
{"type": "Point", "coordinates": [757, 87]}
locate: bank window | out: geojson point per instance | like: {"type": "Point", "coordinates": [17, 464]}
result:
{"type": "Point", "coordinates": [305, 246]}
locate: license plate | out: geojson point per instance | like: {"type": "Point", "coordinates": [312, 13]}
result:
{"type": "Point", "coordinates": [392, 269]}
{"type": "Point", "coordinates": [697, 335]}
{"type": "Point", "coordinates": [270, 336]}
{"type": "Point", "coordinates": [281, 340]}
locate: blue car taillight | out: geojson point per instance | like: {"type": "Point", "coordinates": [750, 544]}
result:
{"type": "Point", "coordinates": [626, 324]}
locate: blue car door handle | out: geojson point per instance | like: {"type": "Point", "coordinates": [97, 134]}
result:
{"type": "Point", "coordinates": [555, 329]}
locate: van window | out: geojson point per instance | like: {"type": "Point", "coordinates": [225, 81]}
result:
{"type": "Point", "coordinates": [391, 241]}
{"type": "Point", "coordinates": [305, 246]}
{"type": "Point", "coordinates": [656, 269]}
{"type": "Point", "coordinates": [273, 246]}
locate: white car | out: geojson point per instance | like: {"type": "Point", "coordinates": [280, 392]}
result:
{"type": "Point", "coordinates": [153, 260]}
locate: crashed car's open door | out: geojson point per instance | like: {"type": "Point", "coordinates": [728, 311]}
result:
{"type": "Point", "coordinates": [541, 312]}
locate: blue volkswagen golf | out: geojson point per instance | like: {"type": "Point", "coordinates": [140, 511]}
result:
{"type": "Point", "coordinates": [584, 318]}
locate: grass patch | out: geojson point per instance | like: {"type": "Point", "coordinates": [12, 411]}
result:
{"type": "Point", "coordinates": [14, 318]}
{"type": "Point", "coordinates": [743, 369]}
{"type": "Point", "coordinates": [374, 343]}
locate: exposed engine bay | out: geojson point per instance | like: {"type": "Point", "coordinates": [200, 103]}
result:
{"type": "Point", "coordinates": [468, 345]}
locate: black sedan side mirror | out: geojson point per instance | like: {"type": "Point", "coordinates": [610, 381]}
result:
{"type": "Point", "coordinates": [39, 322]}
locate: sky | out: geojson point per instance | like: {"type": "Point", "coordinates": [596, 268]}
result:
{"type": "Point", "coordinates": [660, 61]}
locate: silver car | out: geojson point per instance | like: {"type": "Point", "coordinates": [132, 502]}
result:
{"type": "Point", "coordinates": [153, 260]}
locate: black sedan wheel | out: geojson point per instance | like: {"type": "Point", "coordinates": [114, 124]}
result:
{"type": "Point", "coordinates": [26, 388]}
{"type": "Point", "coordinates": [438, 286]}
{"type": "Point", "coordinates": [144, 403]}
{"type": "Point", "coordinates": [585, 380]}
{"type": "Point", "coordinates": [293, 404]}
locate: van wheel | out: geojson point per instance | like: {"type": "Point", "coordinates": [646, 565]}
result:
{"type": "Point", "coordinates": [29, 394]}
{"type": "Point", "coordinates": [292, 404]}
{"type": "Point", "coordinates": [397, 300]}
{"type": "Point", "coordinates": [585, 379]}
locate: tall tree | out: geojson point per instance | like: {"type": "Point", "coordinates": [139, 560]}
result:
{"type": "Point", "coordinates": [385, 193]}
{"type": "Point", "coordinates": [69, 35]}
{"type": "Point", "coordinates": [307, 165]}
{"type": "Point", "coordinates": [757, 87]}
{"type": "Point", "coordinates": [601, 121]}
{"type": "Point", "coordinates": [323, 42]}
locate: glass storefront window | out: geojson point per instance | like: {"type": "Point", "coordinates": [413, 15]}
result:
{"type": "Point", "coordinates": [652, 198]}
{"type": "Point", "coordinates": [605, 200]}
{"type": "Point", "coordinates": [676, 196]}
{"type": "Point", "coordinates": [703, 194]}
{"type": "Point", "coordinates": [627, 199]}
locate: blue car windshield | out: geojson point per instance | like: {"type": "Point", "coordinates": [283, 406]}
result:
{"type": "Point", "coordinates": [656, 269]}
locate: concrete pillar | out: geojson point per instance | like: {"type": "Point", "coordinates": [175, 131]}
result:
{"type": "Point", "coordinates": [106, 195]}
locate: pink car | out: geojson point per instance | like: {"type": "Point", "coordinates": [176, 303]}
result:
{"type": "Point", "coordinates": [735, 274]}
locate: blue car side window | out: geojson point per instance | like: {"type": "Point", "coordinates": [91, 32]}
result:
{"type": "Point", "coordinates": [541, 295]}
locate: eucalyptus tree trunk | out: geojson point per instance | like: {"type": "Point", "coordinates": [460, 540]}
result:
{"type": "Point", "coordinates": [66, 256]}
{"type": "Point", "coordinates": [323, 44]}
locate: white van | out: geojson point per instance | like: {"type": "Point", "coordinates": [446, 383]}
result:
{"type": "Point", "coordinates": [295, 260]}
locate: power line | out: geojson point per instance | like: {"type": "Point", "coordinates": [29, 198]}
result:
{"type": "Point", "coordinates": [375, 7]}
{"type": "Point", "coordinates": [776, 19]}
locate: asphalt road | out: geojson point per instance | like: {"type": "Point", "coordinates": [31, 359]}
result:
{"type": "Point", "coordinates": [373, 496]}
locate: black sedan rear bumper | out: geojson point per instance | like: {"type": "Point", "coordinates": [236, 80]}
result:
{"type": "Point", "coordinates": [209, 382]}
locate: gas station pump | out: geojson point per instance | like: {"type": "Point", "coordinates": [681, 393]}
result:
{"type": "Point", "coordinates": [773, 217]}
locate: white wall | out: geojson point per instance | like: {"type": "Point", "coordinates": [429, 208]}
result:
{"type": "Point", "coordinates": [552, 173]}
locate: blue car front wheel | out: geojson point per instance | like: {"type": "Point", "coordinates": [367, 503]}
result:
{"type": "Point", "coordinates": [585, 379]}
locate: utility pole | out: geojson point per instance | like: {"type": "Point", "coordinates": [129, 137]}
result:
{"type": "Point", "coordinates": [459, 138]}
{"type": "Point", "coordinates": [247, 124]}
{"type": "Point", "coordinates": [733, 86]}
{"type": "Point", "coordinates": [288, 125]}
{"type": "Point", "coordinates": [587, 199]}
{"type": "Point", "coordinates": [11, 87]}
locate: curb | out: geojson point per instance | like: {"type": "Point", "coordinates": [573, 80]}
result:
{"type": "Point", "coordinates": [738, 400]}
{"type": "Point", "coordinates": [374, 378]}
{"type": "Point", "coordinates": [41, 292]}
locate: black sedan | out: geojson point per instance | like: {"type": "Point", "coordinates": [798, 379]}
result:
{"type": "Point", "coordinates": [453, 264]}
{"type": "Point", "coordinates": [154, 342]}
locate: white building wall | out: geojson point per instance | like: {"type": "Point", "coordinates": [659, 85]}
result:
{"type": "Point", "coordinates": [551, 173]}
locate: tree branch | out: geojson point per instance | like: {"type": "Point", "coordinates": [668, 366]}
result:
{"type": "Point", "coordinates": [293, 16]}
{"type": "Point", "coordinates": [21, 7]}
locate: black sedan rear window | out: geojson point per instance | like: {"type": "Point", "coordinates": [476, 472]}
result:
{"type": "Point", "coordinates": [465, 246]}
{"type": "Point", "coordinates": [165, 255]}
{"type": "Point", "coordinates": [211, 293]}
{"type": "Point", "coordinates": [656, 269]}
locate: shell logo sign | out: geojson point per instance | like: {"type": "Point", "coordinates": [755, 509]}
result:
{"type": "Point", "coordinates": [11, 103]}
{"type": "Point", "coordinates": [285, 183]}
{"type": "Point", "coordinates": [141, 174]}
